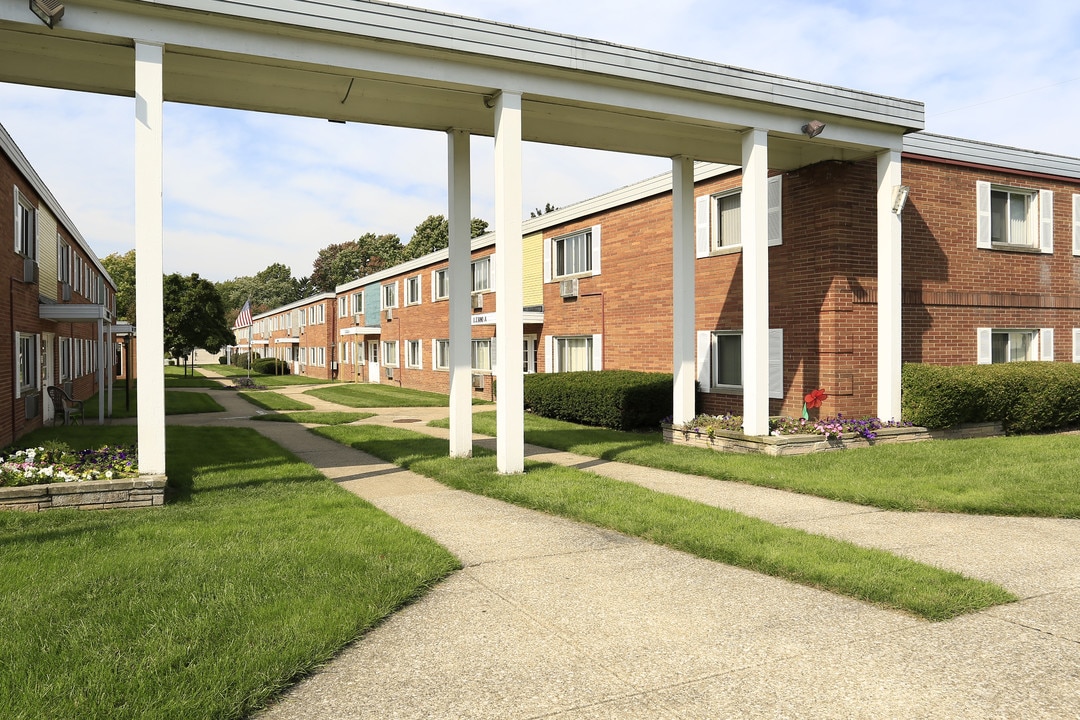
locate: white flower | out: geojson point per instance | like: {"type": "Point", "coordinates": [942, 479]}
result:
{"type": "Point", "coordinates": [108, 474]}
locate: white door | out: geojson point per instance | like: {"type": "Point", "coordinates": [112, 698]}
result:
{"type": "Point", "coordinates": [373, 361]}
{"type": "Point", "coordinates": [48, 373]}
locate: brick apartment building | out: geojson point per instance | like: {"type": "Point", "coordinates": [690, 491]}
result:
{"type": "Point", "coordinates": [61, 301]}
{"type": "Point", "coordinates": [983, 281]}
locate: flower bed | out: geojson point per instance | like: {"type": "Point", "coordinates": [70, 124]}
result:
{"type": "Point", "coordinates": [790, 436]}
{"type": "Point", "coordinates": [55, 476]}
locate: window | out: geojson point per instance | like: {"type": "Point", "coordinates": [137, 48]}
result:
{"type": "Point", "coordinates": [27, 363]}
{"type": "Point", "coordinates": [413, 355]}
{"type": "Point", "coordinates": [440, 353]}
{"type": "Point", "coordinates": [342, 307]}
{"type": "Point", "coordinates": [65, 359]}
{"type": "Point", "coordinates": [358, 303]}
{"type": "Point", "coordinates": [25, 226]}
{"type": "Point", "coordinates": [481, 274]}
{"type": "Point", "coordinates": [720, 361]}
{"type": "Point", "coordinates": [1014, 345]}
{"type": "Point", "coordinates": [573, 354]}
{"type": "Point", "coordinates": [1014, 218]}
{"type": "Point", "coordinates": [63, 260]}
{"type": "Point", "coordinates": [412, 291]}
{"type": "Point", "coordinates": [727, 359]}
{"type": "Point", "coordinates": [389, 296]}
{"type": "Point", "coordinates": [573, 254]}
{"type": "Point", "coordinates": [440, 285]}
{"type": "Point", "coordinates": [390, 353]}
{"type": "Point", "coordinates": [719, 219]}
{"type": "Point", "coordinates": [528, 355]}
{"type": "Point", "coordinates": [482, 355]}
{"type": "Point", "coordinates": [727, 230]}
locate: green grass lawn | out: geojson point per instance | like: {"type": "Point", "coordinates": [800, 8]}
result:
{"type": "Point", "coordinates": [1031, 475]}
{"type": "Point", "coordinates": [232, 371]}
{"type": "Point", "coordinates": [175, 378]}
{"type": "Point", "coordinates": [369, 395]}
{"type": "Point", "coordinates": [177, 402]}
{"type": "Point", "coordinates": [722, 535]}
{"type": "Point", "coordinates": [315, 417]}
{"type": "Point", "coordinates": [268, 400]}
{"type": "Point", "coordinates": [258, 570]}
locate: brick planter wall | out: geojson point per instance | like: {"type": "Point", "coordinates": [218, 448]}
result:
{"type": "Point", "coordinates": [725, 441]}
{"type": "Point", "coordinates": [145, 491]}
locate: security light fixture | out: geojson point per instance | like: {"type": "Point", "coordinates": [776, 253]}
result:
{"type": "Point", "coordinates": [49, 11]}
{"type": "Point", "coordinates": [900, 196]}
{"type": "Point", "coordinates": [813, 128]}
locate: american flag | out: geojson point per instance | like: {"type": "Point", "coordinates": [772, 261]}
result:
{"type": "Point", "coordinates": [244, 318]}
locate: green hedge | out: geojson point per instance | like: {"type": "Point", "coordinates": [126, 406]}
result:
{"type": "Point", "coordinates": [1023, 396]}
{"type": "Point", "coordinates": [617, 399]}
{"type": "Point", "coordinates": [271, 366]}
{"type": "Point", "coordinates": [241, 359]}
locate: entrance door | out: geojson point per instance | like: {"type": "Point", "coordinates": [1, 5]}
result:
{"type": "Point", "coordinates": [373, 361]}
{"type": "Point", "coordinates": [48, 373]}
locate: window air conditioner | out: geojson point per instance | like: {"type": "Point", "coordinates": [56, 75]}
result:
{"type": "Point", "coordinates": [389, 314]}
{"type": "Point", "coordinates": [568, 288]}
{"type": "Point", "coordinates": [65, 291]}
{"type": "Point", "coordinates": [389, 372]}
{"type": "Point", "coordinates": [30, 270]}
{"type": "Point", "coordinates": [478, 301]}
{"type": "Point", "coordinates": [356, 318]}
{"type": "Point", "coordinates": [478, 381]}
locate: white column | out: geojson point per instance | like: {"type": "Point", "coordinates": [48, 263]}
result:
{"type": "Point", "coordinates": [682, 233]}
{"type": "Point", "coordinates": [101, 371]}
{"type": "Point", "coordinates": [460, 276]}
{"type": "Point", "coordinates": [755, 276]}
{"type": "Point", "coordinates": [889, 288]}
{"type": "Point", "coordinates": [148, 257]}
{"type": "Point", "coordinates": [510, 419]}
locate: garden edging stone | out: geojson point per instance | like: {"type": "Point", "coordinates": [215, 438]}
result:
{"type": "Point", "coordinates": [142, 491]}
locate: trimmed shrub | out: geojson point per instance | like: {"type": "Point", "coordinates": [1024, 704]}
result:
{"type": "Point", "coordinates": [221, 360]}
{"type": "Point", "coordinates": [271, 366]}
{"type": "Point", "coordinates": [242, 359]}
{"type": "Point", "coordinates": [1023, 396]}
{"type": "Point", "coordinates": [616, 399]}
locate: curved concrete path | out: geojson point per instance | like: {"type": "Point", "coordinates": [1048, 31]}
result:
{"type": "Point", "coordinates": [554, 619]}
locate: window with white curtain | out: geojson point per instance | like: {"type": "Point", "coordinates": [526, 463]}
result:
{"type": "Point", "coordinates": [440, 285]}
{"type": "Point", "coordinates": [441, 355]}
{"type": "Point", "coordinates": [573, 254]}
{"type": "Point", "coordinates": [1009, 211]}
{"type": "Point", "coordinates": [482, 355]}
{"type": "Point", "coordinates": [573, 354]}
{"type": "Point", "coordinates": [481, 275]}
{"type": "Point", "coordinates": [413, 354]}
{"type": "Point", "coordinates": [412, 291]}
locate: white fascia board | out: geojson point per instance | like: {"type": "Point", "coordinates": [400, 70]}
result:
{"type": "Point", "coordinates": [429, 32]}
{"type": "Point", "coordinates": [302, 302]}
{"type": "Point", "coordinates": [9, 148]}
{"type": "Point", "coordinates": [72, 312]}
{"type": "Point", "coordinates": [998, 156]}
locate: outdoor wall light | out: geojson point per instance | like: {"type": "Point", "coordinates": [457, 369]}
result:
{"type": "Point", "coordinates": [813, 128]}
{"type": "Point", "coordinates": [49, 11]}
{"type": "Point", "coordinates": [900, 196]}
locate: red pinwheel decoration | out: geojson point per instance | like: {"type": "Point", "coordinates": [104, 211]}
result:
{"type": "Point", "coordinates": [813, 399]}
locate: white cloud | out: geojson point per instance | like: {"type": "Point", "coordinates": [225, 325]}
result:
{"type": "Point", "coordinates": [244, 190]}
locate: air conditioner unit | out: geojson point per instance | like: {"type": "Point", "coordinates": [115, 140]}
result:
{"type": "Point", "coordinates": [389, 373]}
{"type": "Point", "coordinates": [30, 270]}
{"type": "Point", "coordinates": [568, 288]}
{"type": "Point", "coordinates": [389, 314]}
{"type": "Point", "coordinates": [478, 381]}
{"type": "Point", "coordinates": [478, 301]}
{"type": "Point", "coordinates": [31, 407]}
{"type": "Point", "coordinates": [356, 318]}
{"type": "Point", "coordinates": [65, 291]}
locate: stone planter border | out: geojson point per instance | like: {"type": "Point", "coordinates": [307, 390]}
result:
{"type": "Point", "coordinates": [735, 442]}
{"type": "Point", "coordinates": [143, 491]}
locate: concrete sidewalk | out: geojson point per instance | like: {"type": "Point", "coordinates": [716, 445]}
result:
{"type": "Point", "coordinates": [555, 619]}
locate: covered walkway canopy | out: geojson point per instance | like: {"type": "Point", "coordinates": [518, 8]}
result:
{"type": "Point", "coordinates": [371, 62]}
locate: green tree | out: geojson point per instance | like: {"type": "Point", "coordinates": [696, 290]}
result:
{"type": "Point", "coordinates": [269, 288]}
{"type": "Point", "coordinates": [433, 233]}
{"type": "Point", "coordinates": [342, 262]}
{"type": "Point", "coordinates": [194, 316]}
{"type": "Point", "coordinates": [548, 207]}
{"type": "Point", "coordinates": [122, 270]}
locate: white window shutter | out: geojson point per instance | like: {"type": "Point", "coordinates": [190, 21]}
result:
{"type": "Point", "coordinates": [776, 236]}
{"type": "Point", "coordinates": [701, 226]}
{"type": "Point", "coordinates": [1076, 224]}
{"type": "Point", "coordinates": [704, 360]}
{"type": "Point", "coordinates": [491, 272]}
{"type": "Point", "coordinates": [776, 363]}
{"type": "Point", "coordinates": [433, 285]}
{"type": "Point", "coordinates": [1046, 344]}
{"type": "Point", "coordinates": [1046, 221]}
{"type": "Point", "coordinates": [985, 351]}
{"type": "Point", "coordinates": [548, 242]}
{"type": "Point", "coordinates": [982, 206]}
{"type": "Point", "coordinates": [1076, 345]}
{"type": "Point", "coordinates": [595, 249]}
{"type": "Point", "coordinates": [597, 352]}
{"type": "Point", "coordinates": [548, 345]}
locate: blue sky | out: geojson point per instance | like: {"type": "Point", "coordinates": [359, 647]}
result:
{"type": "Point", "coordinates": [244, 190]}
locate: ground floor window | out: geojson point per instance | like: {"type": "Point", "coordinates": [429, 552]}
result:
{"type": "Point", "coordinates": [574, 354]}
{"type": "Point", "coordinates": [483, 355]}
{"type": "Point", "coordinates": [27, 362]}
{"type": "Point", "coordinates": [413, 355]}
{"type": "Point", "coordinates": [441, 354]}
{"type": "Point", "coordinates": [528, 355]}
{"type": "Point", "coordinates": [727, 360]}
{"type": "Point", "coordinates": [390, 353]}
{"type": "Point", "coordinates": [720, 361]}
{"type": "Point", "coordinates": [1001, 345]}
